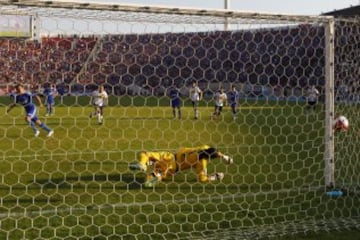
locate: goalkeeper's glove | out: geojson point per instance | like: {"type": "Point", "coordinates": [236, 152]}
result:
{"type": "Point", "coordinates": [227, 159]}
{"type": "Point", "coordinates": [217, 176]}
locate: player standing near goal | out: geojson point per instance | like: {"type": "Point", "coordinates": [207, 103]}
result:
{"type": "Point", "coordinates": [220, 99]}
{"type": "Point", "coordinates": [49, 93]}
{"type": "Point", "coordinates": [196, 95]}
{"type": "Point", "coordinates": [312, 95]}
{"type": "Point", "coordinates": [175, 102]}
{"type": "Point", "coordinates": [233, 101]}
{"type": "Point", "coordinates": [99, 100]}
{"type": "Point", "coordinates": [24, 99]}
{"type": "Point", "coordinates": [166, 164]}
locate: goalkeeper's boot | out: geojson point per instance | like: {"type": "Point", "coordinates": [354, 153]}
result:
{"type": "Point", "coordinates": [137, 166]}
{"type": "Point", "coordinates": [151, 181]}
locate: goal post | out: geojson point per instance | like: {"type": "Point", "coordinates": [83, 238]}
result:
{"type": "Point", "coordinates": [329, 104]}
{"type": "Point", "coordinates": [84, 181]}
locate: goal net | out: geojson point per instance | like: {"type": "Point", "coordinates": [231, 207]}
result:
{"type": "Point", "coordinates": [80, 182]}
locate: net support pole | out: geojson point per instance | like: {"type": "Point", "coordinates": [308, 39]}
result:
{"type": "Point", "coordinates": [329, 104]}
{"type": "Point", "coordinates": [226, 7]}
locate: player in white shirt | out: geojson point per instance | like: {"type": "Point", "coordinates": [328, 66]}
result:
{"type": "Point", "coordinates": [195, 95]}
{"type": "Point", "coordinates": [220, 99]}
{"type": "Point", "coordinates": [312, 95]}
{"type": "Point", "coordinates": [99, 100]}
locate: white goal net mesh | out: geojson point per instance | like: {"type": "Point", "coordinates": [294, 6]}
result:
{"type": "Point", "coordinates": [77, 184]}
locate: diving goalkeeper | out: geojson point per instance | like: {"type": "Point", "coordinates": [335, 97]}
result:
{"type": "Point", "coordinates": [166, 163]}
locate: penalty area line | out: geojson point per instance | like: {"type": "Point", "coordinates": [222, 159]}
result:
{"type": "Point", "coordinates": [260, 107]}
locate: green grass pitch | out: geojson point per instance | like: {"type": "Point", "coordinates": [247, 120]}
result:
{"type": "Point", "coordinates": [76, 185]}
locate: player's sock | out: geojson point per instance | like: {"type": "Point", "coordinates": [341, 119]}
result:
{"type": "Point", "coordinates": [32, 125]}
{"type": "Point", "coordinates": [137, 166]}
{"type": "Point", "coordinates": [43, 126]}
{"type": "Point", "coordinates": [99, 117]}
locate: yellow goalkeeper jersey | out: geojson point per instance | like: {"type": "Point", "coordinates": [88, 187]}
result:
{"type": "Point", "coordinates": [168, 163]}
{"type": "Point", "coordinates": [189, 157]}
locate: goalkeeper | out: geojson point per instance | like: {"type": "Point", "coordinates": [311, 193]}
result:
{"type": "Point", "coordinates": [166, 163]}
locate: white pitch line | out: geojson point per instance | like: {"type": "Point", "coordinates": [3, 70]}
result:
{"type": "Point", "coordinates": [37, 155]}
{"type": "Point", "coordinates": [261, 107]}
{"type": "Point", "coordinates": [32, 214]}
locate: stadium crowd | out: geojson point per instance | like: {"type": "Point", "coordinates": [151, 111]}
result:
{"type": "Point", "coordinates": [281, 59]}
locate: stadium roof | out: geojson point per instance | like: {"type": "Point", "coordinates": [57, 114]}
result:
{"type": "Point", "coordinates": [351, 11]}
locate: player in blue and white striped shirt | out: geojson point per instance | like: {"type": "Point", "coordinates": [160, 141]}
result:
{"type": "Point", "coordinates": [49, 93]}
{"type": "Point", "coordinates": [24, 99]}
{"type": "Point", "coordinates": [175, 102]}
{"type": "Point", "coordinates": [233, 100]}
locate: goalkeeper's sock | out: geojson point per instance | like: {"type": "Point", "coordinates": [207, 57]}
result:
{"type": "Point", "coordinates": [137, 166]}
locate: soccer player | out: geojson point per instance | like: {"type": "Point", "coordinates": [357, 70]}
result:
{"type": "Point", "coordinates": [175, 102]}
{"type": "Point", "coordinates": [166, 164]}
{"type": "Point", "coordinates": [233, 101]}
{"type": "Point", "coordinates": [25, 99]}
{"type": "Point", "coordinates": [99, 100]}
{"type": "Point", "coordinates": [312, 95]}
{"type": "Point", "coordinates": [49, 93]}
{"type": "Point", "coordinates": [195, 95]}
{"type": "Point", "coordinates": [220, 99]}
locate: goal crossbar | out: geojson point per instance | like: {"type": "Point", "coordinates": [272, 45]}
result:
{"type": "Point", "coordinates": [164, 10]}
